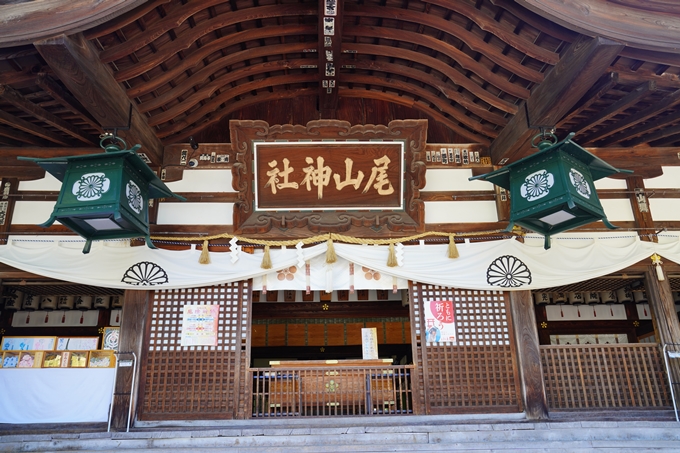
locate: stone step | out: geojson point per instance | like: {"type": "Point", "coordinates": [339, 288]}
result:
{"type": "Point", "coordinates": [625, 436]}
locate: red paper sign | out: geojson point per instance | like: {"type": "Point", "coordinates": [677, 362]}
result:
{"type": "Point", "coordinates": [442, 310]}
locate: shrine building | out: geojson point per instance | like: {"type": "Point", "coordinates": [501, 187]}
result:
{"type": "Point", "coordinates": [254, 210]}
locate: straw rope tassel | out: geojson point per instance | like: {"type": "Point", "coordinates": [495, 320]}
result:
{"type": "Point", "coordinates": [266, 259]}
{"type": "Point", "coordinates": [453, 250]}
{"type": "Point", "coordinates": [205, 254]}
{"type": "Point", "coordinates": [392, 257]}
{"type": "Point", "coordinates": [331, 257]}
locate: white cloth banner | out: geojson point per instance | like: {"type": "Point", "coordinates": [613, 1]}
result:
{"type": "Point", "coordinates": [55, 395]}
{"type": "Point", "coordinates": [503, 264]}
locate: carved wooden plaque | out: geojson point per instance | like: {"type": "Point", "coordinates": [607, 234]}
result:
{"type": "Point", "coordinates": [328, 176]}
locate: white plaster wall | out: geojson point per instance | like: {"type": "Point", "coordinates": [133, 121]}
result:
{"type": "Point", "coordinates": [209, 180]}
{"type": "Point", "coordinates": [618, 210]}
{"type": "Point", "coordinates": [195, 213]}
{"type": "Point", "coordinates": [609, 183]}
{"type": "Point", "coordinates": [460, 211]}
{"type": "Point", "coordinates": [48, 184]}
{"type": "Point", "coordinates": [669, 180]}
{"type": "Point", "coordinates": [664, 208]}
{"type": "Point", "coordinates": [32, 212]}
{"type": "Point", "coordinates": [452, 179]}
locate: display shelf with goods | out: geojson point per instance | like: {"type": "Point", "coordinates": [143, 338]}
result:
{"type": "Point", "coordinates": [101, 359]}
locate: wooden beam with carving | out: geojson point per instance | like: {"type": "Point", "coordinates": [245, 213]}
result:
{"type": "Point", "coordinates": [582, 64]}
{"type": "Point", "coordinates": [15, 98]}
{"type": "Point", "coordinates": [76, 62]}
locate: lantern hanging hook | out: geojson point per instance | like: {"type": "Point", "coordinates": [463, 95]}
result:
{"type": "Point", "coordinates": [114, 140]}
{"type": "Point", "coordinates": [110, 142]}
{"type": "Point", "coordinates": [547, 138]}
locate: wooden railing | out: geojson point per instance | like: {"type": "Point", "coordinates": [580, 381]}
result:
{"type": "Point", "coordinates": [605, 376]}
{"type": "Point", "coordinates": [323, 391]}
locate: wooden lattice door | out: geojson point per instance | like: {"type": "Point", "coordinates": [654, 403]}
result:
{"type": "Point", "coordinates": [477, 374]}
{"type": "Point", "coordinates": [197, 382]}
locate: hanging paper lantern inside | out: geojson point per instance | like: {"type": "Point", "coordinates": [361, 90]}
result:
{"type": "Point", "coordinates": [552, 190]}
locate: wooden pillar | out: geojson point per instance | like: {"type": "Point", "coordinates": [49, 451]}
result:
{"type": "Point", "coordinates": [528, 355]}
{"type": "Point", "coordinates": [132, 330]}
{"type": "Point", "coordinates": [664, 317]}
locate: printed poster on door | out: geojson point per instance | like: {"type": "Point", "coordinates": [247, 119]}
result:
{"type": "Point", "coordinates": [440, 323]}
{"type": "Point", "coordinates": [199, 325]}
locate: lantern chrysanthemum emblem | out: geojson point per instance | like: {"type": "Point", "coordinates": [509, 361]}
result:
{"type": "Point", "coordinates": [508, 272]}
{"type": "Point", "coordinates": [145, 273]}
{"type": "Point", "coordinates": [537, 185]}
{"type": "Point", "coordinates": [580, 183]}
{"type": "Point", "coordinates": [134, 196]}
{"type": "Point", "coordinates": [91, 186]}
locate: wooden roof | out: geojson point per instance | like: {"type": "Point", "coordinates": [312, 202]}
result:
{"type": "Point", "coordinates": [482, 71]}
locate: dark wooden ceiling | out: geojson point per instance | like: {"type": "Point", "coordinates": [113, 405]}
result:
{"type": "Point", "coordinates": [482, 71]}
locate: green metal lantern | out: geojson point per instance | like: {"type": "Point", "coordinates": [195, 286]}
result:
{"type": "Point", "coordinates": [106, 195]}
{"type": "Point", "coordinates": [552, 190]}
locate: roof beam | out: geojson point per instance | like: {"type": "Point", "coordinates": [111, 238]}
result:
{"type": "Point", "coordinates": [34, 20]}
{"type": "Point", "coordinates": [76, 62]}
{"type": "Point", "coordinates": [645, 162]}
{"type": "Point", "coordinates": [628, 24]}
{"type": "Point", "coordinates": [329, 48]}
{"type": "Point", "coordinates": [581, 65]}
{"type": "Point", "coordinates": [17, 100]}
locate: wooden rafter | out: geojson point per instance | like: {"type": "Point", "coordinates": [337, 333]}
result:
{"type": "Point", "coordinates": [17, 100]}
{"type": "Point", "coordinates": [470, 39]}
{"type": "Point", "coordinates": [582, 64]}
{"type": "Point", "coordinates": [33, 129]}
{"type": "Point", "coordinates": [598, 90]}
{"type": "Point", "coordinates": [179, 15]}
{"type": "Point", "coordinates": [209, 89]}
{"type": "Point", "coordinates": [196, 57]}
{"type": "Point", "coordinates": [51, 87]}
{"type": "Point", "coordinates": [429, 79]}
{"type": "Point", "coordinates": [460, 57]}
{"type": "Point", "coordinates": [209, 70]}
{"type": "Point", "coordinates": [617, 107]}
{"type": "Point", "coordinates": [24, 137]}
{"type": "Point", "coordinates": [625, 128]}
{"type": "Point", "coordinates": [663, 130]}
{"type": "Point", "coordinates": [455, 76]}
{"type": "Point", "coordinates": [76, 63]}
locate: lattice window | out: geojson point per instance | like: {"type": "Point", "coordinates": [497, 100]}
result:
{"type": "Point", "coordinates": [166, 316]}
{"type": "Point", "coordinates": [481, 316]}
{"type": "Point", "coordinates": [478, 372]}
{"type": "Point", "coordinates": [196, 382]}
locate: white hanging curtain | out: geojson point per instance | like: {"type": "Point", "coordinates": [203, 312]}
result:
{"type": "Point", "coordinates": [493, 265]}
